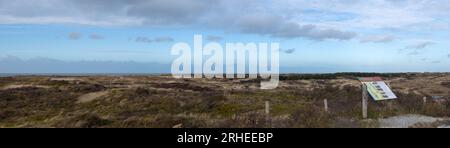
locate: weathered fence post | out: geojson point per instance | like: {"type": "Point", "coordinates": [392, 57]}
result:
{"type": "Point", "coordinates": [325, 104]}
{"type": "Point", "coordinates": [268, 121]}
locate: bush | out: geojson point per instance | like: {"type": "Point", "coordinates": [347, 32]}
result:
{"type": "Point", "coordinates": [84, 121]}
{"type": "Point", "coordinates": [162, 121]}
{"type": "Point", "coordinates": [248, 120]}
{"type": "Point", "coordinates": [436, 110]}
{"type": "Point", "coordinates": [445, 84]}
{"type": "Point", "coordinates": [142, 91]}
{"type": "Point", "coordinates": [5, 114]}
{"type": "Point", "coordinates": [228, 110]}
{"type": "Point", "coordinates": [310, 117]}
{"type": "Point", "coordinates": [87, 88]}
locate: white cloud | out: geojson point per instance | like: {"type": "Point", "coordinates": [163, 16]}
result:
{"type": "Point", "coordinates": [421, 45]}
{"type": "Point", "coordinates": [74, 35]}
{"type": "Point", "coordinates": [288, 51]}
{"type": "Point", "coordinates": [372, 14]}
{"type": "Point", "coordinates": [96, 36]}
{"type": "Point", "coordinates": [378, 39]}
{"type": "Point", "coordinates": [156, 39]}
{"type": "Point", "coordinates": [317, 20]}
{"type": "Point", "coordinates": [163, 39]}
{"type": "Point", "coordinates": [214, 38]}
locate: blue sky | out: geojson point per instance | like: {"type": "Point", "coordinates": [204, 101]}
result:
{"type": "Point", "coordinates": [315, 35]}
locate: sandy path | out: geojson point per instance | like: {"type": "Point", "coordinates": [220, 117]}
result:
{"type": "Point", "coordinates": [91, 96]}
{"type": "Point", "coordinates": [406, 121]}
{"type": "Point", "coordinates": [15, 86]}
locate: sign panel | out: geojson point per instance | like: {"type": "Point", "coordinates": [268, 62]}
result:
{"type": "Point", "coordinates": [380, 91]}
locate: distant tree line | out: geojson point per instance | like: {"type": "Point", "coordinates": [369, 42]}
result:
{"type": "Point", "coordinates": [350, 75]}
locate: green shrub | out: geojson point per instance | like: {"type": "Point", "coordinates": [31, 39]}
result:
{"type": "Point", "coordinates": [84, 121]}
{"type": "Point", "coordinates": [5, 114]}
{"type": "Point", "coordinates": [228, 110]}
{"type": "Point", "coordinates": [310, 117]}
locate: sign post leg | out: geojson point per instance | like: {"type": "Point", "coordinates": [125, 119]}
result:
{"type": "Point", "coordinates": [365, 101]}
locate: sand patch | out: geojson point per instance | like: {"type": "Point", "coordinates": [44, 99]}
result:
{"type": "Point", "coordinates": [16, 86]}
{"type": "Point", "coordinates": [92, 96]}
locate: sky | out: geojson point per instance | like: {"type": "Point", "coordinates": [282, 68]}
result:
{"type": "Point", "coordinates": [135, 36]}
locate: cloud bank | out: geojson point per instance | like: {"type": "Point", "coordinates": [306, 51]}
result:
{"type": "Point", "coordinates": [245, 16]}
{"type": "Point", "coordinates": [315, 20]}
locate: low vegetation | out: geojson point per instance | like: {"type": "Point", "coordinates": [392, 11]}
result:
{"type": "Point", "coordinates": [162, 102]}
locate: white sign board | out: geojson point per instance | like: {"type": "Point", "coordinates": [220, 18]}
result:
{"type": "Point", "coordinates": [379, 91]}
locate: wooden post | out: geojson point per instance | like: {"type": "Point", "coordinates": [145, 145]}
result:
{"type": "Point", "coordinates": [365, 101]}
{"type": "Point", "coordinates": [424, 100]}
{"type": "Point", "coordinates": [325, 104]}
{"type": "Point", "coordinates": [226, 93]}
{"type": "Point", "coordinates": [268, 122]}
